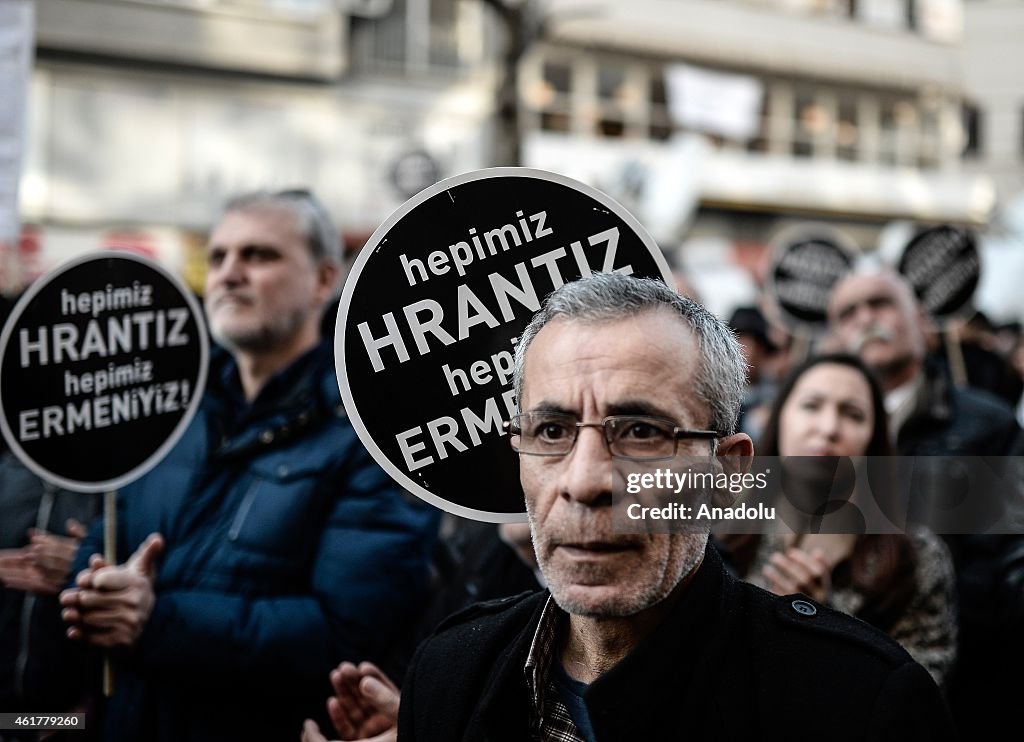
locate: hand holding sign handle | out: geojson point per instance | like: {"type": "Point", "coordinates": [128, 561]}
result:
{"type": "Point", "coordinates": [102, 367]}
{"type": "Point", "coordinates": [110, 554]}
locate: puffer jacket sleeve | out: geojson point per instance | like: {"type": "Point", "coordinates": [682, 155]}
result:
{"type": "Point", "coordinates": [368, 574]}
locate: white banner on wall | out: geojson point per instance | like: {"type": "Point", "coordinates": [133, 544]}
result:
{"type": "Point", "coordinates": [715, 102]}
{"type": "Point", "coordinates": [16, 37]}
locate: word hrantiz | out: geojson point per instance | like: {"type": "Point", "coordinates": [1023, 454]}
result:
{"type": "Point", "coordinates": [105, 300]}
{"type": "Point", "coordinates": [126, 334]}
{"type": "Point", "coordinates": [425, 317]}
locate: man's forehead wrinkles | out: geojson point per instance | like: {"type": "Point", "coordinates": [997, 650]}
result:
{"type": "Point", "coordinates": [549, 406]}
{"type": "Point", "coordinates": [247, 244]}
{"type": "Point", "coordinates": [850, 296]}
{"type": "Point", "coordinates": [868, 297]}
{"type": "Point", "coordinates": [623, 407]}
{"type": "Point", "coordinates": [639, 407]}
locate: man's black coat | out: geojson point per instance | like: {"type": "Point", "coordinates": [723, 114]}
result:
{"type": "Point", "coordinates": [730, 662]}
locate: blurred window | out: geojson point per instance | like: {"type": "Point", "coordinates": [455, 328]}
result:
{"type": "Point", "coordinates": [930, 155]}
{"type": "Point", "coordinates": [887, 133]}
{"type": "Point", "coordinates": [847, 130]}
{"type": "Point", "coordinates": [760, 142]}
{"type": "Point", "coordinates": [413, 37]}
{"type": "Point", "coordinates": [605, 97]}
{"type": "Point", "coordinates": [660, 126]}
{"type": "Point", "coordinates": [553, 95]}
{"type": "Point", "coordinates": [811, 120]}
{"type": "Point", "coordinates": [972, 120]}
{"type": "Point", "coordinates": [611, 97]}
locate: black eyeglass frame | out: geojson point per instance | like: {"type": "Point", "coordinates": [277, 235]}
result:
{"type": "Point", "coordinates": [513, 428]}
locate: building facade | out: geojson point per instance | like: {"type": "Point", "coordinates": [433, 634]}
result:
{"type": "Point", "coordinates": [993, 57]}
{"type": "Point", "coordinates": [722, 122]}
{"type": "Point", "coordinates": [719, 122]}
{"type": "Point", "coordinates": [146, 114]}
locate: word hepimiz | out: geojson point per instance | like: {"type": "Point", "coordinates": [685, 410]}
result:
{"type": "Point", "coordinates": [111, 377]}
{"type": "Point", "coordinates": [479, 372]}
{"type": "Point", "coordinates": [125, 334]}
{"type": "Point", "coordinates": [105, 300]}
{"type": "Point", "coordinates": [462, 253]}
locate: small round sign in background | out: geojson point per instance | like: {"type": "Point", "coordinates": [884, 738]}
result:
{"type": "Point", "coordinates": [102, 365]}
{"type": "Point", "coordinates": [413, 171]}
{"type": "Point", "coordinates": [433, 307]}
{"type": "Point", "coordinates": [943, 266]}
{"type": "Point", "coordinates": [808, 259]}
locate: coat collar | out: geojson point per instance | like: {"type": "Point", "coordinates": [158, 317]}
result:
{"type": "Point", "coordinates": [676, 658]}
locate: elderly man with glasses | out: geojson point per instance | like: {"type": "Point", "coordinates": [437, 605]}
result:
{"type": "Point", "coordinates": [645, 636]}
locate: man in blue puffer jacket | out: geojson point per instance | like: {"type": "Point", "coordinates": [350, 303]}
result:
{"type": "Point", "coordinates": [268, 545]}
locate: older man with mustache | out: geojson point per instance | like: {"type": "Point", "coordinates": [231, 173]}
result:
{"type": "Point", "coordinates": [875, 314]}
{"type": "Point", "coordinates": [268, 546]}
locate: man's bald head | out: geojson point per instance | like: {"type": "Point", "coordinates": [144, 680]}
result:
{"type": "Point", "coordinates": [875, 315]}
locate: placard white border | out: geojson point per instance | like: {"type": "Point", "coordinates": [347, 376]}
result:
{"type": "Point", "coordinates": [179, 430]}
{"type": "Point", "coordinates": [780, 245]}
{"type": "Point", "coordinates": [968, 308]}
{"type": "Point", "coordinates": [371, 247]}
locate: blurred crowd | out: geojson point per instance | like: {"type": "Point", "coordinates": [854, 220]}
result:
{"type": "Point", "coordinates": [268, 547]}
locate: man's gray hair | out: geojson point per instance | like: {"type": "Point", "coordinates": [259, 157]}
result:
{"type": "Point", "coordinates": [607, 297]}
{"type": "Point", "coordinates": [314, 222]}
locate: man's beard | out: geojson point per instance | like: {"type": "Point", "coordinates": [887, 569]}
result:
{"type": "Point", "coordinates": [262, 338]}
{"type": "Point", "coordinates": [632, 598]}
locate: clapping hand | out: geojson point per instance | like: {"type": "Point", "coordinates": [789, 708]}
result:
{"type": "Point", "coordinates": [42, 566]}
{"type": "Point", "coordinates": [799, 571]}
{"type": "Point", "coordinates": [110, 604]}
{"type": "Point", "coordinates": [364, 706]}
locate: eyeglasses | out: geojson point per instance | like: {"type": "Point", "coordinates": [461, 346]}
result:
{"type": "Point", "coordinates": [627, 436]}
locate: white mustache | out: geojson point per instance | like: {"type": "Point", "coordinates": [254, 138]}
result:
{"type": "Point", "coordinates": [868, 334]}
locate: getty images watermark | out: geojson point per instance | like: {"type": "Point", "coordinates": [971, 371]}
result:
{"type": "Point", "coordinates": [822, 494]}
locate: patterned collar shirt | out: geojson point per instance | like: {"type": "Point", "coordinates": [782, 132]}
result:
{"type": "Point", "coordinates": [550, 720]}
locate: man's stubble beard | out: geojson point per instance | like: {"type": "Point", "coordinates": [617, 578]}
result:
{"type": "Point", "coordinates": [632, 598]}
{"type": "Point", "coordinates": [263, 338]}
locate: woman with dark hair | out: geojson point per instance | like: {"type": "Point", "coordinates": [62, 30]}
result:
{"type": "Point", "coordinates": [831, 405]}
